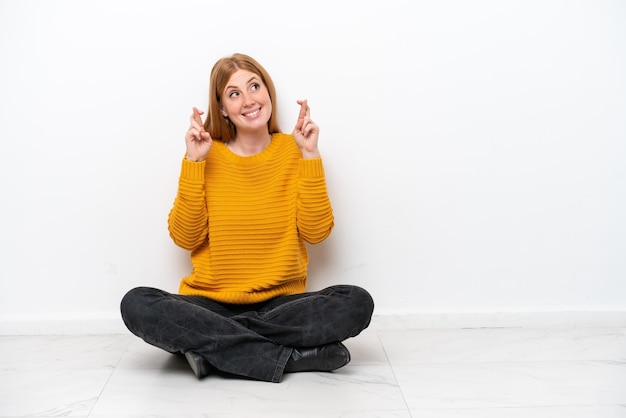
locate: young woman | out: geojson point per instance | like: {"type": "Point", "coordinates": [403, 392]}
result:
{"type": "Point", "coordinates": [249, 199]}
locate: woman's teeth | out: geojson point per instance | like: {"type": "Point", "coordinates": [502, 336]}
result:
{"type": "Point", "coordinates": [251, 113]}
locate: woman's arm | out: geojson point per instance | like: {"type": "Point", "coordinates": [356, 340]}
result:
{"type": "Point", "coordinates": [188, 219]}
{"type": "Point", "coordinates": [315, 213]}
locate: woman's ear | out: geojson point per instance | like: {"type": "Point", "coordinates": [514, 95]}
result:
{"type": "Point", "coordinates": [224, 112]}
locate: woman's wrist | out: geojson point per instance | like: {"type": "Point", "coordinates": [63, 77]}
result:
{"type": "Point", "coordinates": [309, 155]}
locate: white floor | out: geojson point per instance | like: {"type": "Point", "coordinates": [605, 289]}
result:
{"type": "Point", "coordinates": [490, 373]}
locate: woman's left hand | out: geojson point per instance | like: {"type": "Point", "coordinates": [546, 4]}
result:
{"type": "Point", "coordinates": [306, 132]}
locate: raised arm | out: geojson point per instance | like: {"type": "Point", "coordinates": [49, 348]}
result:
{"type": "Point", "coordinates": [188, 219]}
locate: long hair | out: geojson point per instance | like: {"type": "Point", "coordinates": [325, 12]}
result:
{"type": "Point", "coordinates": [219, 127]}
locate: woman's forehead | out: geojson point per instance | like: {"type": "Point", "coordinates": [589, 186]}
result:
{"type": "Point", "coordinates": [242, 77]}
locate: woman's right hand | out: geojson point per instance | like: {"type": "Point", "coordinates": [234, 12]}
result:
{"type": "Point", "coordinates": [197, 139]}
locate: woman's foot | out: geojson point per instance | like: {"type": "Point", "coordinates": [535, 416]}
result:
{"type": "Point", "coordinates": [199, 365]}
{"type": "Point", "coordinates": [323, 358]}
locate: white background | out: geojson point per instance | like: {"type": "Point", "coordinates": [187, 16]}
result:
{"type": "Point", "coordinates": [475, 151]}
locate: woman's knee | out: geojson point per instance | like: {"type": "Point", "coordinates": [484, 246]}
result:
{"type": "Point", "coordinates": [134, 302]}
{"type": "Point", "coordinates": [131, 299]}
{"type": "Point", "coordinates": [363, 303]}
{"type": "Point", "coordinates": [356, 296]}
{"type": "Point", "coordinates": [359, 302]}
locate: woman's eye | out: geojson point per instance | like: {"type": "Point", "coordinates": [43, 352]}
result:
{"type": "Point", "coordinates": [233, 94]}
{"type": "Point", "coordinates": [256, 86]}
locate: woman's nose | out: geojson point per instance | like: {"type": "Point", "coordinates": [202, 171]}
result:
{"type": "Point", "coordinates": [248, 100]}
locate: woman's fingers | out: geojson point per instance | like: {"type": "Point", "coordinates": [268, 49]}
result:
{"type": "Point", "coordinates": [196, 127]}
{"type": "Point", "coordinates": [303, 115]}
{"type": "Point", "coordinates": [196, 116]}
{"type": "Point", "coordinates": [304, 109]}
{"type": "Point", "coordinates": [195, 119]}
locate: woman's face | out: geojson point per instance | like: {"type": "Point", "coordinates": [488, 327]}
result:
{"type": "Point", "coordinates": [246, 101]}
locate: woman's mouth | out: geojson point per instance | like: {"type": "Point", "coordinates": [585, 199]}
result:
{"type": "Point", "coordinates": [252, 114]}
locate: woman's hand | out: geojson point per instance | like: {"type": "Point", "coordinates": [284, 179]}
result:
{"type": "Point", "coordinates": [306, 132]}
{"type": "Point", "coordinates": [197, 139]}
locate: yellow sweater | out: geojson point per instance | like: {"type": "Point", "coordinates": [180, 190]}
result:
{"type": "Point", "coordinates": [246, 219]}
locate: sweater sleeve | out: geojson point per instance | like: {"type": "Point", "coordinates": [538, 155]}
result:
{"type": "Point", "coordinates": [188, 219]}
{"type": "Point", "coordinates": [315, 214]}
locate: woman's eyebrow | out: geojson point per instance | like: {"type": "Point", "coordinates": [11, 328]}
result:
{"type": "Point", "coordinates": [247, 82]}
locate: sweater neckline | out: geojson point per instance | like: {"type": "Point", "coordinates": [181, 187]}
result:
{"type": "Point", "coordinates": [251, 159]}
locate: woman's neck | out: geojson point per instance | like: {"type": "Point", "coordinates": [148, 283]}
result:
{"type": "Point", "coordinates": [246, 145]}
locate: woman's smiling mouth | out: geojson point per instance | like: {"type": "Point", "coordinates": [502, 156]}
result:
{"type": "Point", "coordinates": [252, 114]}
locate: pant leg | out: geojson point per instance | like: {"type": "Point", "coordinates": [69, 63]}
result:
{"type": "Point", "coordinates": [179, 324]}
{"type": "Point", "coordinates": [314, 318]}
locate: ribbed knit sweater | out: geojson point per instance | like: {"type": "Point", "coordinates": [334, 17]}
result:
{"type": "Point", "coordinates": [246, 220]}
